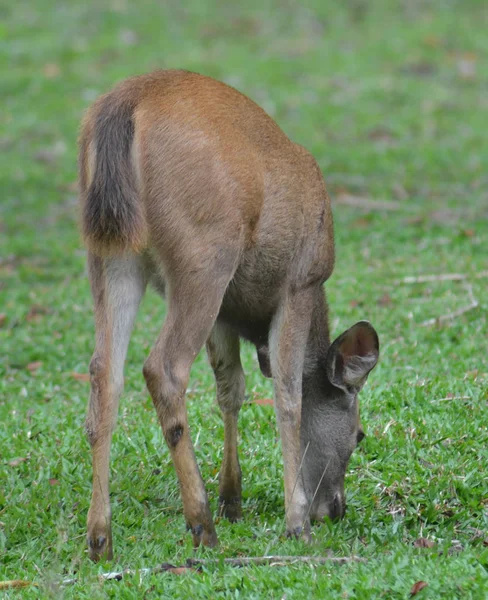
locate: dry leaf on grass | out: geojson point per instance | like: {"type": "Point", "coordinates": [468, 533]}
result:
{"type": "Point", "coordinates": [51, 70]}
{"type": "Point", "coordinates": [14, 584]}
{"type": "Point", "coordinates": [381, 134]}
{"type": "Point", "coordinates": [420, 69]}
{"type": "Point", "coordinates": [423, 543]}
{"type": "Point", "coordinates": [127, 37]}
{"type": "Point", "coordinates": [180, 570]}
{"type": "Point", "coordinates": [81, 376]}
{"type": "Point", "coordinates": [433, 41]}
{"type": "Point", "coordinates": [263, 401]}
{"type": "Point", "coordinates": [33, 366]}
{"type": "Point", "coordinates": [417, 587]}
{"type": "Point", "coordinates": [466, 66]}
{"type": "Point", "coordinates": [385, 300]}
{"type": "Point", "coordinates": [35, 311]}
{"type": "Point", "coordinates": [365, 203]}
{"type": "Point", "coordinates": [17, 461]}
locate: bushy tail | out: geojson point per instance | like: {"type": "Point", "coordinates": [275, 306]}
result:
{"type": "Point", "coordinates": [113, 217]}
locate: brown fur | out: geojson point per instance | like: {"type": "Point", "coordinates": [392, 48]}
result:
{"type": "Point", "coordinates": [188, 184]}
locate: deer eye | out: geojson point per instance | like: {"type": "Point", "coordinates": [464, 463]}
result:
{"type": "Point", "coordinates": [360, 436]}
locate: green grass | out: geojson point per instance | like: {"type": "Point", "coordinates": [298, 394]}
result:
{"type": "Point", "coordinates": [391, 97]}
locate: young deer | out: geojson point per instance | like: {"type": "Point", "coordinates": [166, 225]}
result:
{"type": "Point", "coordinates": [188, 184]}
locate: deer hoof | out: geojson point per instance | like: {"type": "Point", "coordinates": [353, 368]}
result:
{"type": "Point", "coordinates": [205, 536]}
{"type": "Point", "coordinates": [100, 547]}
{"type": "Point", "coordinates": [230, 508]}
{"type": "Point", "coordinates": [300, 533]}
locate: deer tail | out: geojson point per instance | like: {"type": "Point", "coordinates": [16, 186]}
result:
{"type": "Point", "coordinates": [113, 218]}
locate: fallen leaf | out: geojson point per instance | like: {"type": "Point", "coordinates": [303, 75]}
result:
{"type": "Point", "coordinates": [456, 546]}
{"type": "Point", "coordinates": [381, 134]}
{"type": "Point", "coordinates": [50, 154]}
{"type": "Point", "coordinates": [432, 40]}
{"type": "Point", "coordinates": [417, 220]}
{"type": "Point", "coordinates": [33, 366]}
{"type": "Point", "coordinates": [128, 37]}
{"type": "Point", "coordinates": [35, 311]}
{"type": "Point", "coordinates": [119, 6]}
{"type": "Point", "coordinates": [365, 203]}
{"type": "Point", "coordinates": [385, 300]}
{"type": "Point", "coordinates": [362, 222]}
{"type": "Point", "coordinates": [168, 568]}
{"type": "Point", "coordinates": [477, 533]}
{"type": "Point", "coordinates": [17, 461]}
{"type": "Point", "coordinates": [466, 65]}
{"type": "Point", "coordinates": [51, 70]}
{"type": "Point", "coordinates": [15, 584]}
{"type": "Point", "coordinates": [71, 187]}
{"type": "Point", "coordinates": [354, 303]}
{"type": "Point", "coordinates": [3, 319]}
{"type": "Point", "coordinates": [423, 543]}
{"type": "Point", "coordinates": [180, 570]}
{"type": "Point", "coordinates": [417, 587]}
{"type": "Point", "coordinates": [421, 69]}
{"type": "Point", "coordinates": [399, 191]}
{"type": "Point", "coordinates": [263, 401]}
{"type": "Point", "coordinates": [53, 481]}
{"type": "Point", "coordinates": [81, 376]}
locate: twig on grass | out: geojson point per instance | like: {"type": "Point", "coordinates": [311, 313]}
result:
{"type": "Point", "coordinates": [194, 564]}
{"type": "Point", "coordinates": [441, 277]}
{"type": "Point", "coordinates": [275, 561]}
{"type": "Point", "coordinates": [453, 315]}
{"type": "Point", "coordinates": [451, 398]}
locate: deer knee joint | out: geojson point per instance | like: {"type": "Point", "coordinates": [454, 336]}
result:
{"type": "Point", "coordinates": [96, 367]}
{"type": "Point", "coordinates": [98, 374]}
{"type": "Point", "coordinates": [289, 413]}
{"type": "Point", "coordinates": [150, 375]}
{"type": "Point", "coordinates": [166, 383]}
{"type": "Point", "coordinates": [90, 431]}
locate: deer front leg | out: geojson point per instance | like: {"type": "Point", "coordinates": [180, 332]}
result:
{"type": "Point", "coordinates": [223, 352]}
{"type": "Point", "coordinates": [288, 339]}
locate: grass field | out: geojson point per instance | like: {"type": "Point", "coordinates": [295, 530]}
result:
{"type": "Point", "coordinates": [391, 97]}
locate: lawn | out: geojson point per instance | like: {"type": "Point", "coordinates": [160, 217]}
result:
{"type": "Point", "coordinates": [391, 97]}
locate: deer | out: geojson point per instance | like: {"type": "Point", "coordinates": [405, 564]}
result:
{"type": "Point", "coordinates": [188, 185]}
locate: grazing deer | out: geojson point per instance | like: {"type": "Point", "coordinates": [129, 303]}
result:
{"type": "Point", "coordinates": [188, 184]}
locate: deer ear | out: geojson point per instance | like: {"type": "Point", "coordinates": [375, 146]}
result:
{"type": "Point", "coordinates": [352, 356]}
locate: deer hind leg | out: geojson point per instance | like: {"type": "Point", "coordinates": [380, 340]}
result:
{"type": "Point", "coordinates": [194, 299]}
{"type": "Point", "coordinates": [288, 338]}
{"type": "Point", "coordinates": [118, 284]}
{"type": "Point", "coordinates": [223, 352]}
